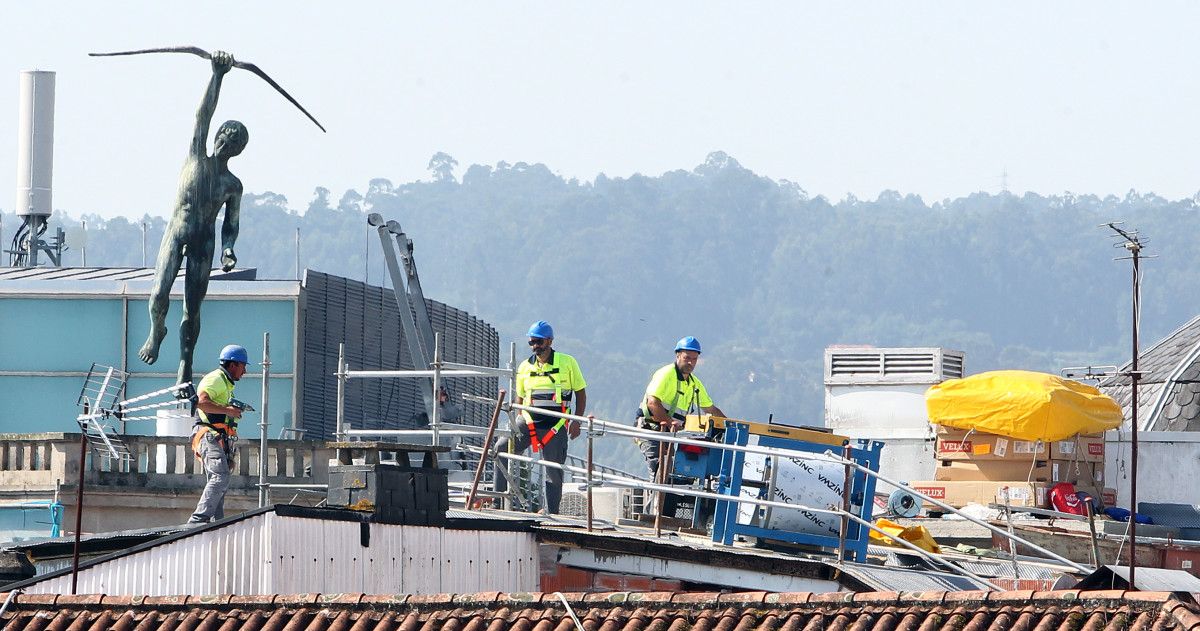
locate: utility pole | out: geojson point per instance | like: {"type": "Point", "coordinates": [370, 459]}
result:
{"type": "Point", "coordinates": [1132, 243]}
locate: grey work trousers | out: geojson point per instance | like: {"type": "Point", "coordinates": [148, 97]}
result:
{"type": "Point", "coordinates": [554, 451]}
{"type": "Point", "coordinates": [216, 464]}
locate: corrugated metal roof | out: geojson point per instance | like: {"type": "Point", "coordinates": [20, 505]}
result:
{"type": "Point", "coordinates": [895, 579]}
{"type": "Point", "coordinates": [296, 549]}
{"type": "Point", "coordinates": [1149, 579]}
{"type": "Point", "coordinates": [611, 611]}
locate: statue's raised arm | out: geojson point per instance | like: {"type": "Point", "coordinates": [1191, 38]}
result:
{"type": "Point", "coordinates": [221, 63]}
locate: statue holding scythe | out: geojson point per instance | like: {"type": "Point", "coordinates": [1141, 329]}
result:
{"type": "Point", "coordinates": [205, 187]}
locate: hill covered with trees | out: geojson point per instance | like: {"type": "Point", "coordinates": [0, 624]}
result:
{"type": "Point", "coordinates": [765, 275]}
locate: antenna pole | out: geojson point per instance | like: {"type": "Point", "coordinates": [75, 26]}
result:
{"type": "Point", "coordinates": [1132, 243]}
{"type": "Point", "coordinates": [83, 448]}
{"type": "Point", "coordinates": [1135, 249]}
{"type": "Point", "coordinates": [263, 422]}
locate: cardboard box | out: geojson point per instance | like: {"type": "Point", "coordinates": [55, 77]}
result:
{"type": "Point", "coordinates": [1089, 448]}
{"type": "Point", "coordinates": [981, 470]}
{"type": "Point", "coordinates": [1079, 473]}
{"type": "Point", "coordinates": [957, 444]}
{"type": "Point", "coordinates": [961, 493]}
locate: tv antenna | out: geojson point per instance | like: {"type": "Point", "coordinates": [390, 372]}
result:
{"type": "Point", "coordinates": [101, 405]}
{"type": "Point", "coordinates": [1132, 242]}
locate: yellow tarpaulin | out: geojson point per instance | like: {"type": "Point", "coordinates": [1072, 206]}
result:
{"type": "Point", "coordinates": [1023, 405]}
{"type": "Point", "coordinates": [916, 535]}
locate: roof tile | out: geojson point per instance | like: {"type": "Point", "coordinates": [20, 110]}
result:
{"type": "Point", "coordinates": [830, 597]}
{"type": "Point", "coordinates": [81, 599]}
{"type": "Point", "coordinates": [694, 598]}
{"type": "Point", "coordinates": [741, 597]}
{"type": "Point", "coordinates": [974, 597]}
{"type": "Point", "coordinates": [609, 611]}
{"type": "Point", "coordinates": [341, 599]}
{"type": "Point", "coordinates": [478, 598]}
{"type": "Point", "coordinates": [297, 599]}
{"type": "Point", "coordinates": [612, 597]}
{"type": "Point", "coordinates": [1017, 596]}
{"type": "Point", "coordinates": [788, 598]}
{"type": "Point", "coordinates": [1058, 595]}
{"type": "Point", "coordinates": [876, 597]}
{"type": "Point", "coordinates": [923, 597]}
{"type": "Point", "coordinates": [429, 599]}
{"type": "Point", "coordinates": [166, 601]}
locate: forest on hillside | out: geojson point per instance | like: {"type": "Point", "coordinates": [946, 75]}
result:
{"type": "Point", "coordinates": [764, 274]}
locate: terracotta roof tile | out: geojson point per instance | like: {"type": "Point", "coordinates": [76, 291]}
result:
{"type": "Point", "coordinates": [741, 597]}
{"type": "Point", "coordinates": [864, 598]}
{"type": "Point", "coordinates": [829, 597]}
{"type": "Point", "coordinates": [611, 611]}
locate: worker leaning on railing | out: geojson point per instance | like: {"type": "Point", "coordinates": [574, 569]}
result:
{"type": "Point", "coordinates": [550, 380]}
{"type": "Point", "coordinates": [673, 392]}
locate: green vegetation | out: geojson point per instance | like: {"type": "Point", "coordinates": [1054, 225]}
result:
{"type": "Point", "coordinates": [763, 274]}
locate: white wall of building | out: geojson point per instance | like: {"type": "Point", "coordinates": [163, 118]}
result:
{"type": "Point", "coordinates": [269, 554]}
{"type": "Point", "coordinates": [1168, 466]}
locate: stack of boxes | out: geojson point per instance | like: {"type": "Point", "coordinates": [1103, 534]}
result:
{"type": "Point", "coordinates": [976, 467]}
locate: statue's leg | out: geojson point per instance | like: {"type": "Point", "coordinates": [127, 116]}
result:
{"type": "Point", "coordinates": [195, 287]}
{"type": "Point", "coordinates": [170, 258]}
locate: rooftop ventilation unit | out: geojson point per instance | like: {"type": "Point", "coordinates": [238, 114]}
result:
{"type": "Point", "coordinates": [879, 394]}
{"type": "Point", "coordinates": [891, 365]}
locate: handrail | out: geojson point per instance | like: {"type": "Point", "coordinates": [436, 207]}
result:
{"type": "Point", "coordinates": [497, 372]}
{"type": "Point", "coordinates": [407, 374]}
{"type": "Point", "coordinates": [666, 488]}
{"type": "Point", "coordinates": [620, 429]}
{"type": "Point", "coordinates": [979, 522]}
{"type": "Point", "coordinates": [829, 456]}
{"type": "Point", "coordinates": [670, 437]}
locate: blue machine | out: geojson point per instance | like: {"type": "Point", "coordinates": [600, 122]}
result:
{"type": "Point", "coordinates": [731, 464]}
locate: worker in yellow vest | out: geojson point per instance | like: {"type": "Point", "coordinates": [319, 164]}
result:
{"type": "Point", "coordinates": [551, 380]}
{"type": "Point", "coordinates": [213, 435]}
{"type": "Point", "coordinates": [672, 394]}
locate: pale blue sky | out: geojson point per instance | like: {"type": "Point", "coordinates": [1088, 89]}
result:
{"type": "Point", "coordinates": [933, 98]}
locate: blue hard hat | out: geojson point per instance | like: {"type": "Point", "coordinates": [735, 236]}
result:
{"type": "Point", "coordinates": [541, 329]}
{"type": "Point", "coordinates": [688, 343]}
{"type": "Point", "coordinates": [234, 353]}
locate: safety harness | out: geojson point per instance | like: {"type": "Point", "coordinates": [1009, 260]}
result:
{"type": "Point", "coordinates": [545, 398]}
{"type": "Point", "coordinates": [646, 419]}
{"type": "Point", "coordinates": [220, 424]}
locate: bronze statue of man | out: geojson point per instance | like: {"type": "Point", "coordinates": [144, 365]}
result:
{"type": "Point", "coordinates": [205, 187]}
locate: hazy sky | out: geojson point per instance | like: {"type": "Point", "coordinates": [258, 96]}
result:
{"type": "Point", "coordinates": [937, 99]}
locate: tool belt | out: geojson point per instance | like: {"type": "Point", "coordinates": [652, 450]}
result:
{"type": "Point", "coordinates": [201, 430]}
{"type": "Point", "coordinates": [648, 422]}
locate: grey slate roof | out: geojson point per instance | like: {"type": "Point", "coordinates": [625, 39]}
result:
{"type": "Point", "coordinates": [1169, 388]}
